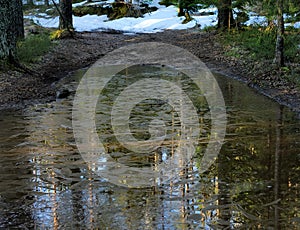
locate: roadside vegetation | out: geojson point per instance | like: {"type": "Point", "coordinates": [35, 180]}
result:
{"type": "Point", "coordinates": [256, 45]}
{"type": "Point", "coordinates": [253, 44]}
{"type": "Point", "coordinates": [33, 47]}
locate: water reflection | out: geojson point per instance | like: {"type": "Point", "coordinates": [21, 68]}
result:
{"type": "Point", "coordinates": [44, 182]}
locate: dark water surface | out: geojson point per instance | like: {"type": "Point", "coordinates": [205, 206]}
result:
{"type": "Point", "coordinates": [255, 182]}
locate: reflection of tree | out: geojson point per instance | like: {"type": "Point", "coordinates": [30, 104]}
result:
{"type": "Point", "coordinates": [277, 168]}
{"type": "Point", "coordinates": [254, 183]}
{"type": "Point", "coordinates": [224, 197]}
{"type": "Point", "coordinates": [250, 175]}
{"type": "Point", "coordinates": [255, 179]}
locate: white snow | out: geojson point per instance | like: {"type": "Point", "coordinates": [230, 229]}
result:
{"type": "Point", "coordinates": [45, 22]}
{"type": "Point", "coordinates": [88, 22]}
{"type": "Point", "coordinates": [79, 4]}
{"type": "Point", "coordinates": [263, 21]}
{"type": "Point", "coordinates": [39, 2]}
{"type": "Point", "coordinates": [165, 18]}
{"type": "Point", "coordinates": [162, 19]}
{"type": "Point", "coordinates": [257, 20]}
{"type": "Point", "coordinates": [297, 25]}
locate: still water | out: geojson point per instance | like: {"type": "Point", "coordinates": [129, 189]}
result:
{"type": "Point", "coordinates": [254, 183]}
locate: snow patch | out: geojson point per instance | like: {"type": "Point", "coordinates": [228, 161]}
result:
{"type": "Point", "coordinates": [165, 18]}
{"type": "Point", "coordinates": [162, 19]}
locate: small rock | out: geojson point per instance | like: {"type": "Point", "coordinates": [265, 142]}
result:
{"type": "Point", "coordinates": [63, 94]}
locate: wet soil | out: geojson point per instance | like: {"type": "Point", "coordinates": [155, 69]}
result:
{"type": "Point", "coordinates": [18, 90]}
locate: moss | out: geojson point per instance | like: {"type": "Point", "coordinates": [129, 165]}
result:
{"type": "Point", "coordinates": [187, 19]}
{"type": "Point", "coordinates": [168, 2]}
{"type": "Point", "coordinates": [115, 11]}
{"type": "Point", "coordinates": [84, 10]}
{"type": "Point", "coordinates": [121, 9]}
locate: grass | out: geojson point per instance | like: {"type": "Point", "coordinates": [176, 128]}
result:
{"type": "Point", "coordinates": [33, 47]}
{"type": "Point", "coordinates": [259, 43]}
{"type": "Point", "coordinates": [292, 45]}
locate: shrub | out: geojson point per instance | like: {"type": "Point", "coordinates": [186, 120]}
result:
{"type": "Point", "coordinates": [33, 47]}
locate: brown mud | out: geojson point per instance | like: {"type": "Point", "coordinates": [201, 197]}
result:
{"type": "Point", "coordinates": [18, 90]}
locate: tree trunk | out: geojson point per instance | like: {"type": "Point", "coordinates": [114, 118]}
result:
{"type": "Point", "coordinates": [277, 168]}
{"type": "Point", "coordinates": [46, 2]}
{"type": "Point", "coordinates": [279, 51]}
{"type": "Point", "coordinates": [65, 19]}
{"type": "Point", "coordinates": [11, 28]}
{"type": "Point", "coordinates": [180, 8]}
{"type": "Point", "coordinates": [225, 15]}
{"type": "Point", "coordinates": [19, 22]}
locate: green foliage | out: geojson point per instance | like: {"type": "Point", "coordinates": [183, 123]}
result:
{"type": "Point", "coordinates": [268, 7]}
{"type": "Point", "coordinates": [33, 47]}
{"type": "Point", "coordinates": [120, 10]}
{"type": "Point", "coordinates": [37, 8]}
{"type": "Point", "coordinates": [76, 1]}
{"type": "Point", "coordinates": [168, 2]}
{"type": "Point", "coordinates": [207, 3]}
{"type": "Point", "coordinates": [189, 5]}
{"type": "Point", "coordinates": [84, 10]}
{"type": "Point", "coordinates": [209, 28]}
{"type": "Point", "coordinates": [292, 49]}
{"type": "Point", "coordinates": [259, 43]}
{"type": "Point", "coordinates": [114, 11]}
{"type": "Point", "coordinates": [241, 18]}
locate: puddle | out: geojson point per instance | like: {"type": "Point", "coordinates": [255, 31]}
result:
{"type": "Point", "coordinates": [45, 184]}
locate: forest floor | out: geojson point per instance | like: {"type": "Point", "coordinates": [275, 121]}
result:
{"type": "Point", "coordinates": [18, 90]}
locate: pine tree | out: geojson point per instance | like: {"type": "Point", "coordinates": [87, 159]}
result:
{"type": "Point", "coordinates": [65, 19]}
{"type": "Point", "coordinates": [279, 57]}
{"type": "Point", "coordinates": [225, 15]}
{"type": "Point", "coordinates": [11, 28]}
